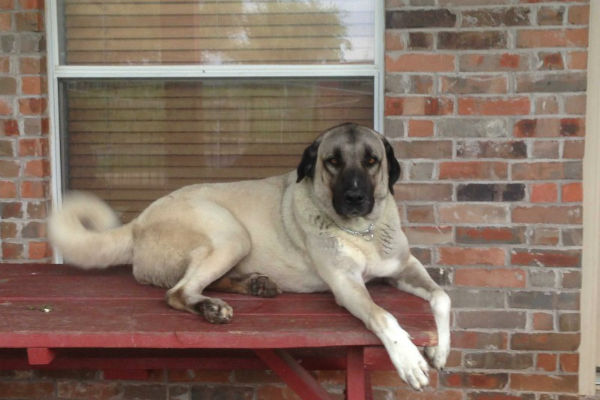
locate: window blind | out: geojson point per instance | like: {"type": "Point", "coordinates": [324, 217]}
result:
{"type": "Point", "coordinates": [132, 141]}
{"type": "Point", "coordinates": [217, 31]}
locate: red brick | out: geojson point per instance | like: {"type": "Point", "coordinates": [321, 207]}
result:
{"type": "Point", "coordinates": [8, 230]}
{"type": "Point", "coordinates": [543, 321]}
{"type": "Point", "coordinates": [486, 84]}
{"type": "Point", "coordinates": [420, 128]}
{"type": "Point", "coordinates": [474, 380]}
{"type": "Point", "coordinates": [552, 38]}
{"type": "Point", "coordinates": [10, 127]}
{"type": "Point", "coordinates": [473, 213]}
{"type": "Point", "coordinates": [393, 40]}
{"type": "Point", "coordinates": [544, 383]}
{"type": "Point", "coordinates": [551, 61]}
{"type": "Point", "coordinates": [545, 341]}
{"type": "Point", "coordinates": [419, 63]}
{"type": "Point", "coordinates": [572, 192]}
{"type": "Point", "coordinates": [544, 193]}
{"type": "Point", "coordinates": [458, 170]}
{"type": "Point", "coordinates": [490, 235]}
{"type": "Point", "coordinates": [493, 106]}
{"type": "Point", "coordinates": [471, 256]}
{"type": "Point", "coordinates": [32, 65]}
{"type": "Point", "coordinates": [7, 4]}
{"type": "Point", "coordinates": [548, 215]}
{"type": "Point", "coordinates": [418, 105]}
{"type": "Point", "coordinates": [11, 210]}
{"type": "Point", "coordinates": [37, 168]}
{"type": "Point", "coordinates": [32, 85]}
{"type": "Point", "coordinates": [32, 4]}
{"type": "Point", "coordinates": [5, 107]}
{"type": "Point", "coordinates": [9, 169]}
{"type": "Point", "coordinates": [569, 362]}
{"type": "Point", "coordinates": [32, 106]}
{"type": "Point", "coordinates": [30, 21]}
{"type": "Point", "coordinates": [546, 362]}
{"type": "Point", "coordinates": [8, 190]}
{"type": "Point", "coordinates": [579, 15]}
{"type": "Point", "coordinates": [546, 105]}
{"type": "Point", "coordinates": [420, 214]}
{"type": "Point", "coordinates": [423, 192]}
{"type": "Point", "coordinates": [34, 189]}
{"type": "Point", "coordinates": [573, 149]}
{"type": "Point", "coordinates": [575, 104]}
{"type": "Point", "coordinates": [5, 22]}
{"type": "Point", "coordinates": [479, 340]}
{"type": "Point", "coordinates": [545, 236]}
{"type": "Point", "coordinates": [37, 147]}
{"type": "Point", "coordinates": [479, 277]}
{"type": "Point", "coordinates": [12, 251]}
{"type": "Point", "coordinates": [549, 170]}
{"type": "Point", "coordinates": [39, 250]}
{"type": "Point", "coordinates": [546, 258]}
{"type": "Point", "coordinates": [26, 390]}
{"type": "Point", "coordinates": [427, 394]}
{"type": "Point", "coordinates": [493, 62]}
{"type": "Point", "coordinates": [577, 60]}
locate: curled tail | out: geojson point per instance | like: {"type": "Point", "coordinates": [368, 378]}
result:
{"type": "Point", "coordinates": [88, 233]}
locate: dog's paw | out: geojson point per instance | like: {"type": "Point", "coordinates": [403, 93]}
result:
{"type": "Point", "coordinates": [411, 366]}
{"type": "Point", "coordinates": [262, 286]}
{"type": "Point", "coordinates": [215, 311]}
{"type": "Point", "coordinates": [437, 355]}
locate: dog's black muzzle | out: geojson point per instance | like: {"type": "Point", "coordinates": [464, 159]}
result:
{"type": "Point", "coordinates": [353, 194]}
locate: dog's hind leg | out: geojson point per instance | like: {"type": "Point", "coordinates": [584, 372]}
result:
{"type": "Point", "coordinates": [252, 284]}
{"type": "Point", "coordinates": [205, 266]}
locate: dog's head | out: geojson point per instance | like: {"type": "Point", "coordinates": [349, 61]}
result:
{"type": "Point", "coordinates": [352, 168]}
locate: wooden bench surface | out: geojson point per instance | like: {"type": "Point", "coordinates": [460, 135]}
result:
{"type": "Point", "coordinates": [57, 306]}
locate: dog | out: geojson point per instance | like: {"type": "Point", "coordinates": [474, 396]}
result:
{"type": "Point", "coordinates": [332, 224]}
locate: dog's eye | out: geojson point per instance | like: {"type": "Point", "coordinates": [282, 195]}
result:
{"type": "Point", "coordinates": [334, 161]}
{"type": "Point", "coordinates": [371, 161]}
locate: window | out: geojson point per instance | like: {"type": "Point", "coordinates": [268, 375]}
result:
{"type": "Point", "coordinates": [149, 96]}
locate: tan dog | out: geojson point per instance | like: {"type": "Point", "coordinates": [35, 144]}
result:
{"type": "Point", "coordinates": [332, 224]}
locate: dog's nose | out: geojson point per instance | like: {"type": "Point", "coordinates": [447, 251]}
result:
{"type": "Point", "coordinates": [354, 197]}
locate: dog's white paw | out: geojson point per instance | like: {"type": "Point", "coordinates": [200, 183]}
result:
{"type": "Point", "coordinates": [411, 366]}
{"type": "Point", "coordinates": [438, 355]}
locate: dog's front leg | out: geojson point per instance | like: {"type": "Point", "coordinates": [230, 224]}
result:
{"type": "Point", "coordinates": [343, 276]}
{"type": "Point", "coordinates": [414, 279]}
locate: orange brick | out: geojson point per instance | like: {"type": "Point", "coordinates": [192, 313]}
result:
{"type": "Point", "coordinates": [39, 250]}
{"type": "Point", "coordinates": [420, 128]}
{"type": "Point", "coordinates": [32, 4]}
{"type": "Point", "coordinates": [393, 40]}
{"type": "Point", "coordinates": [37, 168]}
{"type": "Point", "coordinates": [543, 321]}
{"type": "Point", "coordinates": [471, 256]}
{"type": "Point", "coordinates": [420, 63]}
{"type": "Point", "coordinates": [577, 60]}
{"type": "Point", "coordinates": [473, 170]}
{"type": "Point", "coordinates": [418, 105]}
{"type": "Point", "coordinates": [5, 107]}
{"type": "Point", "coordinates": [480, 277]}
{"type": "Point", "coordinates": [33, 85]}
{"type": "Point", "coordinates": [34, 106]}
{"type": "Point", "coordinates": [572, 192]}
{"type": "Point", "coordinates": [33, 189]}
{"type": "Point", "coordinates": [569, 362]}
{"type": "Point", "coordinates": [544, 193]}
{"type": "Point", "coordinates": [546, 362]}
{"type": "Point", "coordinates": [5, 22]}
{"type": "Point", "coordinates": [552, 38]}
{"type": "Point", "coordinates": [8, 189]}
{"type": "Point", "coordinates": [33, 147]}
{"type": "Point", "coordinates": [493, 106]}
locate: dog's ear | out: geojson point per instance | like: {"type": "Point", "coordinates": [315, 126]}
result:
{"type": "Point", "coordinates": [393, 165]}
{"type": "Point", "coordinates": [307, 165]}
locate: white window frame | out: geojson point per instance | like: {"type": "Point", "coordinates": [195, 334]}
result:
{"type": "Point", "coordinates": [56, 71]}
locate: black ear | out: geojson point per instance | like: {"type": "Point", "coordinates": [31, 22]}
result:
{"type": "Point", "coordinates": [393, 165]}
{"type": "Point", "coordinates": [306, 168]}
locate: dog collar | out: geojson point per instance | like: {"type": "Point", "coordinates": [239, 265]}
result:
{"type": "Point", "coordinates": [367, 234]}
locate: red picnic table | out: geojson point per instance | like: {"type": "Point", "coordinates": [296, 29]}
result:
{"type": "Point", "coordinates": [58, 317]}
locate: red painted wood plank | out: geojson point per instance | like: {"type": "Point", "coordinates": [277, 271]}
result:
{"type": "Point", "coordinates": [356, 375]}
{"type": "Point", "coordinates": [40, 355]}
{"type": "Point", "coordinates": [292, 373]}
{"type": "Point", "coordinates": [57, 306]}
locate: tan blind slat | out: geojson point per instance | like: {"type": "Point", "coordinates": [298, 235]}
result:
{"type": "Point", "coordinates": [153, 136]}
{"type": "Point", "coordinates": [218, 32]}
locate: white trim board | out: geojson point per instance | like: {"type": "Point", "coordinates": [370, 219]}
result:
{"type": "Point", "coordinates": [589, 346]}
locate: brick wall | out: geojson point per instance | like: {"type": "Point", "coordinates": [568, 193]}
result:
{"type": "Point", "coordinates": [485, 105]}
{"type": "Point", "coordinates": [24, 166]}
